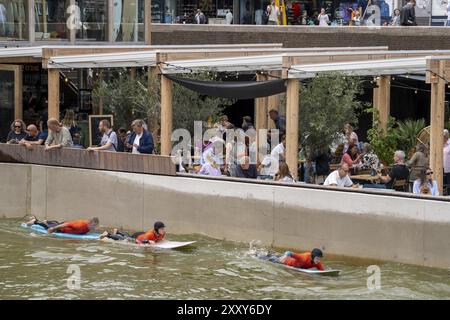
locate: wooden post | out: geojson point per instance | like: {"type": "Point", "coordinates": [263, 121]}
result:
{"type": "Point", "coordinates": [382, 100]}
{"type": "Point", "coordinates": [53, 93]}
{"type": "Point", "coordinates": [292, 116]}
{"type": "Point", "coordinates": [110, 21]}
{"type": "Point", "coordinates": [261, 107]}
{"type": "Point", "coordinates": [100, 99]}
{"type": "Point", "coordinates": [437, 118]}
{"type": "Point", "coordinates": [133, 73]}
{"type": "Point", "coordinates": [166, 115]}
{"type": "Point", "coordinates": [273, 101]}
{"type": "Point", "coordinates": [18, 92]}
{"type": "Point", "coordinates": [148, 22]}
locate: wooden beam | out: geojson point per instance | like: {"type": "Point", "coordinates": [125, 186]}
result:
{"type": "Point", "coordinates": [53, 93]}
{"type": "Point", "coordinates": [110, 21]}
{"type": "Point", "coordinates": [31, 22]}
{"type": "Point", "coordinates": [166, 115]}
{"type": "Point", "coordinates": [292, 117]}
{"type": "Point", "coordinates": [382, 100]}
{"type": "Point", "coordinates": [148, 22]}
{"type": "Point", "coordinates": [437, 123]}
{"type": "Point", "coordinates": [18, 92]}
{"type": "Point", "coordinates": [261, 107]}
{"type": "Point", "coordinates": [273, 102]}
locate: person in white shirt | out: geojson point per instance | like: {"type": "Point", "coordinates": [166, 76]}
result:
{"type": "Point", "coordinates": [269, 165]}
{"type": "Point", "coordinates": [323, 18]}
{"type": "Point", "coordinates": [339, 177]}
{"type": "Point", "coordinates": [274, 14]}
{"type": "Point", "coordinates": [229, 17]}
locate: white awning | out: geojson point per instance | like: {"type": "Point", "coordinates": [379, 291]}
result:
{"type": "Point", "coordinates": [242, 64]}
{"type": "Point", "coordinates": [104, 60]}
{"type": "Point", "coordinates": [361, 68]}
{"type": "Point", "coordinates": [35, 52]}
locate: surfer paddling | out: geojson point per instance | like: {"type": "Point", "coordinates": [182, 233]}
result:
{"type": "Point", "coordinates": [72, 227]}
{"type": "Point", "coordinates": [150, 237]}
{"type": "Point", "coordinates": [305, 260]}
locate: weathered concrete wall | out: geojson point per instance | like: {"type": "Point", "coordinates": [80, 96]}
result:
{"type": "Point", "coordinates": [415, 231]}
{"type": "Point", "coordinates": [397, 38]}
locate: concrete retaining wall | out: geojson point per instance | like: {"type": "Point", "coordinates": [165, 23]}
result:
{"type": "Point", "coordinates": [415, 231]}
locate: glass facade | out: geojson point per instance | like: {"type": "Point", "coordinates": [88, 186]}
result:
{"type": "Point", "coordinates": [51, 19]}
{"type": "Point", "coordinates": [128, 20]}
{"type": "Point", "coordinates": [93, 24]}
{"type": "Point", "coordinates": [14, 19]}
{"type": "Point", "coordinates": [6, 102]}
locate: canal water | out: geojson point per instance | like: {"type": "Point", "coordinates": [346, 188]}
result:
{"type": "Point", "coordinates": [38, 267]}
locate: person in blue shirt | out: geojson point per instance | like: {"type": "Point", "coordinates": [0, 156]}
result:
{"type": "Point", "coordinates": [280, 121]}
{"type": "Point", "coordinates": [141, 140]}
{"type": "Point", "coordinates": [33, 137]}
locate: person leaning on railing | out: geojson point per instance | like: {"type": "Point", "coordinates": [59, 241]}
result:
{"type": "Point", "coordinates": [17, 133]}
{"type": "Point", "coordinates": [58, 136]}
{"type": "Point", "coordinates": [34, 137]}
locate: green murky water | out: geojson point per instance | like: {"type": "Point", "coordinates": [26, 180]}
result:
{"type": "Point", "coordinates": [35, 267]}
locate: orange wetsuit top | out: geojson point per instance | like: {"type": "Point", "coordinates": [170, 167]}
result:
{"type": "Point", "coordinates": [76, 227]}
{"type": "Point", "coordinates": [303, 261]}
{"type": "Point", "coordinates": [150, 235]}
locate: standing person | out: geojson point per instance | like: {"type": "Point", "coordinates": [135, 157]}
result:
{"type": "Point", "coordinates": [141, 140]}
{"type": "Point", "coordinates": [447, 23]}
{"type": "Point", "coordinates": [350, 136]}
{"type": "Point", "coordinates": [323, 18]}
{"type": "Point", "coordinates": [395, 21]}
{"type": "Point", "coordinates": [58, 136]}
{"type": "Point", "coordinates": [280, 121]}
{"type": "Point", "coordinates": [200, 17]}
{"type": "Point", "coordinates": [17, 133]}
{"type": "Point", "coordinates": [418, 162]}
{"type": "Point", "coordinates": [122, 138]}
{"type": "Point", "coordinates": [70, 123]}
{"type": "Point", "coordinates": [425, 184]}
{"type": "Point", "coordinates": [274, 14]}
{"type": "Point", "coordinates": [408, 14]}
{"type": "Point", "coordinates": [109, 138]}
{"type": "Point", "coordinates": [229, 17]}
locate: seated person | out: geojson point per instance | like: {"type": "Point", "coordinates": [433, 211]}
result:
{"type": "Point", "coordinates": [245, 169]}
{"type": "Point", "coordinates": [339, 177]}
{"type": "Point", "coordinates": [210, 167]}
{"type": "Point", "coordinates": [399, 171]}
{"type": "Point", "coordinates": [72, 227]}
{"type": "Point", "coordinates": [152, 236]}
{"type": "Point", "coordinates": [425, 183]}
{"type": "Point", "coordinates": [352, 157]}
{"type": "Point", "coordinates": [34, 137]}
{"type": "Point", "coordinates": [305, 260]}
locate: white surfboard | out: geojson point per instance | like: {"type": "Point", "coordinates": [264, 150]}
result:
{"type": "Point", "coordinates": [117, 18]}
{"type": "Point", "coordinates": [164, 244]}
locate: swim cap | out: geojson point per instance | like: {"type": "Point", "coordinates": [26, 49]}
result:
{"type": "Point", "coordinates": [316, 253]}
{"type": "Point", "coordinates": [158, 225]}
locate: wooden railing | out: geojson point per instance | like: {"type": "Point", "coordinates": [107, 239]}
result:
{"type": "Point", "coordinates": [98, 160]}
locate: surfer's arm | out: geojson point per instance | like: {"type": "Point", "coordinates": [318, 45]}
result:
{"type": "Point", "coordinates": [56, 228]}
{"type": "Point", "coordinates": [320, 266]}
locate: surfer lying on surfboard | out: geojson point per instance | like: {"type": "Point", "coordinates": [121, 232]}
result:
{"type": "Point", "coordinates": [305, 260]}
{"type": "Point", "coordinates": [153, 235]}
{"type": "Point", "coordinates": [73, 227]}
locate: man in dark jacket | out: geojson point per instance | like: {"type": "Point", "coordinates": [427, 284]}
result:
{"type": "Point", "coordinates": [408, 14]}
{"type": "Point", "coordinates": [140, 141]}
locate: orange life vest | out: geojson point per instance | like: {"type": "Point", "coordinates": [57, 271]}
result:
{"type": "Point", "coordinates": [303, 261]}
{"type": "Point", "coordinates": [150, 235]}
{"type": "Point", "coordinates": [76, 227]}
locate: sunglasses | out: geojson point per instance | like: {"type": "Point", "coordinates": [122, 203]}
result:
{"type": "Point", "coordinates": [429, 173]}
{"type": "Point", "coordinates": [17, 126]}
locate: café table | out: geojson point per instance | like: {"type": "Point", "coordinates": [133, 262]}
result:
{"type": "Point", "coordinates": [365, 178]}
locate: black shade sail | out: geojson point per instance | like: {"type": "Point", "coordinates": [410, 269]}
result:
{"type": "Point", "coordinates": [233, 89]}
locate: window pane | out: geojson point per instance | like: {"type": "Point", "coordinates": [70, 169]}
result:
{"type": "Point", "coordinates": [51, 19]}
{"type": "Point", "coordinates": [14, 19]}
{"type": "Point", "coordinates": [128, 20]}
{"type": "Point", "coordinates": [94, 20]}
